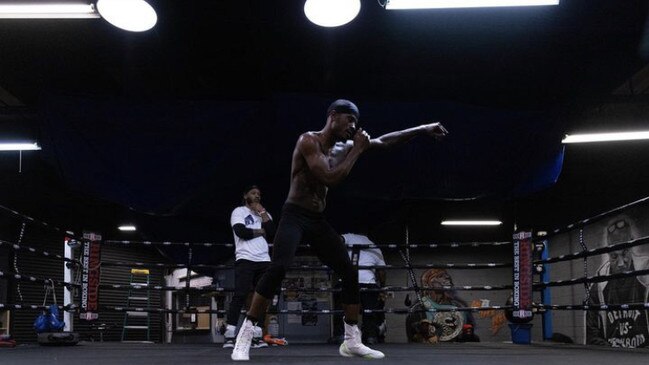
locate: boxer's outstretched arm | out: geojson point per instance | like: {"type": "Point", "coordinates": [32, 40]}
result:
{"type": "Point", "coordinates": [436, 130]}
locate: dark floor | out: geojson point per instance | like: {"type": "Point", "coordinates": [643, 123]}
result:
{"type": "Point", "coordinates": [94, 353]}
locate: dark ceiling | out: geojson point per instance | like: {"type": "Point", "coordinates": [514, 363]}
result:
{"type": "Point", "coordinates": [249, 49]}
{"type": "Point", "coordinates": [556, 61]}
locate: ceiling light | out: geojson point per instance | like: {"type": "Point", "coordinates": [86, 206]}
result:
{"type": "Point", "coordinates": [331, 13]}
{"type": "Point", "coordinates": [442, 4]}
{"type": "Point", "coordinates": [471, 223]}
{"type": "Point", "coordinates": [127, 228]}
{"type": "Point", "coordinates": [19, 147]}
{"type": "Point", "coordinates": [131, 15]}
{"type": "Point", "coordinates": [26, 10]}
{"type": "Point", "coordinates": [606, 137]}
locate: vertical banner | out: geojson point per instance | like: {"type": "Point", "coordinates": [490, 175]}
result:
{"type": "Point", "coordinates": [522, 298]}
{"type": "Point", "coordinates": [90, 261]}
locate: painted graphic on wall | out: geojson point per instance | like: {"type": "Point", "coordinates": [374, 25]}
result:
{"type": "Point", "coordinates": [620, 328]}
{"type": "Point", "coordinates": [429, 327]}
{"type": "Point", "coordinates": [498, 317]}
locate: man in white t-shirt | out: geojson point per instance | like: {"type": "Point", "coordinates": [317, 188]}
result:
{"type": "Point", "coordinates": [252, 227]}
{"type": "Point", "coordinates": [369, 278]}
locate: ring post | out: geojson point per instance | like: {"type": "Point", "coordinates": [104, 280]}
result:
{"type": "Point", "coordinates": [522, 296]}
{"type": "Point", "coordinates": [91, 264]}
{"type": "Point", "coordinates": [67, 277]}
{"type": "Point", "coordinates": [546, 296]}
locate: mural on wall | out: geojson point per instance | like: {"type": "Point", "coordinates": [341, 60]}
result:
{"type": "Point", "coordinates": [620, 328]}
{"type": "Point", "coordinates": [429, 327]}
{"type": "Point", "coordinates": [498, 317]}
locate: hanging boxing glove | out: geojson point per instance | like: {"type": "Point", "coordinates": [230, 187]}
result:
{"type": "Point", "coordinates": [41, 324]}
{"type": "Point", "coordinates": [55, 324]}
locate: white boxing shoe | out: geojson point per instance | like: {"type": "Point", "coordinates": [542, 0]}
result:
{"type": "Point", "coordinates": [257, 339]}
{"type": "Point", "coordinates": [353, 346]}
{"type": "Point", "coordinates": [230, 334]}
{"type": "Point", "coordinates": [241, 351]}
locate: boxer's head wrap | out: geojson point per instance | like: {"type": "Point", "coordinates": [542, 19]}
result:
{"type": "Point", "coordinates": [344, 106]}
{"type": "Point", "coordinates": [250, 187]}
{"type": "Point", "coordinates": [247, 190]}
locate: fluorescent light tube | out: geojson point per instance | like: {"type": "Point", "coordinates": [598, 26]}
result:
{"type": "Point", "coordinates": [606, 137]}
{"type": "Point", "coordinates": [47, 11]}
{"type": "Point", "coordinates": [19, 147]}
{"type": "Point", "coordinates": [444, 4]}
{"type": "Point", "coordinates": [471, 223]}
{"type": "Point", "coordinates": [127, 228]}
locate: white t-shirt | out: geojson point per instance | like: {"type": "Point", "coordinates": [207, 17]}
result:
{"type": "Point", "coordinates": [255, 249]}
{"type": "Point", "coordinates": [367, 257]}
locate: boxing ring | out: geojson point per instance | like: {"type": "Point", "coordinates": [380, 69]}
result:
{"type": "Point", "coordinates": [453, 353]}
{"type": "Point", "coordinates": [82, 301]}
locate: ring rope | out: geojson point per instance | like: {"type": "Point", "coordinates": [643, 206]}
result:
{"type": "Point", "coordinates": [17, 247]}
{"type": "Point", "coordinates": [211, 288]}
{"type": "Point", "coordinates": [411, 274]}
{"type": "Point", "coordinates": [72, 307]}
{"type": "Point", "coordinates": [596, 251]}
{"type": "Point", "coordinates": [387, 246]}
{"type": "Point", "coordinates": [68, 308]}
{"type": "Point", "coordinates": [28, 278]}
{"type": "Point", "coordinates": [583, 222]}
{"type": "Point", "coordinates": [599, 307]}
{"type": "Point", "coordinates": [15, 260]}
{"type": "Point", "coordinates": [489, 265]}
{"type": "Point", "coordinates": [298, 311]}
{"type": "Point", "coordinates": [584, 248]}
{"type": "Point", "coordinates": [594, 307]}
{"type": "Point", "coordinates": [39, 222]}
{"type": "Point", "coordinates": [592, 279]}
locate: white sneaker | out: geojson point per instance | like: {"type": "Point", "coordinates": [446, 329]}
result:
{"type": "Point", "coordinates": [257, 339]}
{"type": "Point", "coordinates": [258, 343]}
{"type": "Point", "coordinates": [383, 329]}
{"type": "Point", "coordinates": [244, 340]}
{"type": "Point", "coordinates": [353, 346]}
{"type": "Point", "coordinates": [230, 331]}
{"type": "Point", "coordinates": [228, 343]}
{"type": "Point", "coordinates": [229, 334]}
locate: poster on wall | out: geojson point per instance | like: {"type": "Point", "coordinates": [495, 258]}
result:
{"type": "Point", "coordinates": [620, 328]}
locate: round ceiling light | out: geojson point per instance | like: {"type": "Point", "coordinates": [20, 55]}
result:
{"type": "Point", "coordinates": [331, 13]}
{"type": "Point", "coordinates": [131, 15]}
